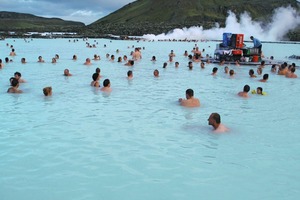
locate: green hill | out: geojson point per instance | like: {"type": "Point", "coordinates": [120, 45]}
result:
{"type": "Point", "coordinates": [161, 16]}
{"type": "Point", "coordinates": [11, 21]}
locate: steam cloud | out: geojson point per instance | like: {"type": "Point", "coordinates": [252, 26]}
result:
{"type": "Point", "coordinates": [284, 20]}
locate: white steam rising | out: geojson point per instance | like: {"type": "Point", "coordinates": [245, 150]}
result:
{"type": "Point", "coordinates": [283, 20]}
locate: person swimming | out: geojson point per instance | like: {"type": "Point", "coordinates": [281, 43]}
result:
{"type": "Point", "coordinates": [14, 86]}
{"type": "Point", "coordinates": [95, 82]}
{"type": "Point", "coordinates": [106, 86]}
{"type": "Point", "coordinates": [47, 91]}
{"type": "Point", "coordinates": [259, 90]}
{"type": "Point", "coordinates": [190, 100]}
{"type": "Point", "coordinates": [245, 91]}
{"type": "Point", "coordinates": [215, 121]}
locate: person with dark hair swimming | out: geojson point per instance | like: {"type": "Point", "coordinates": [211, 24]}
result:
{"type": "Point", "coordinates": [292, 73]}
{"type": "Point", "coordinates": [190, 100]}
{"type": "Point", "coordinates": [18, 76]}
{"type": "Point", "coordinates": [259, 91]}
{"type": "Point", "coordinates": [214, 71]}
{"type": "Point", "coordinates": [14, 86]}
{"type": "Point", "coordinates": [95, 82]}
{"type": "Point", "coordinates": [129, 75]}
{"type": "Point", "coordinates": [106, 86]}
{"type": "Point", "coordinates": [245, 91]}
{"type": "Point", "coordinates": [67, 72]}
{"type": "Point", "coordinates": [130, 63]}
{"type": "Point", "coordinates": [47, 91]}
{"type": "Point", "coordinates": [215, 121]}
{"type": "Point", "coordinates": [265, 78]}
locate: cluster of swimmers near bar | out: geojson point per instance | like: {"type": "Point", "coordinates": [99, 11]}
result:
{"type": "Point", "coordinates": [190, 101]}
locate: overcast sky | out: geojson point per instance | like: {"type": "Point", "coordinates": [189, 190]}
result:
{"type": "Point", "coordinates": [86, 11]}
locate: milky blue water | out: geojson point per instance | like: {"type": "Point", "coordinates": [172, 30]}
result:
{"type": "Point", "coordinates": [137, 142]}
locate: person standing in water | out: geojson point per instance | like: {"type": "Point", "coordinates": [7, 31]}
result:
{"type": "Point", "coordinates": [215, 121]}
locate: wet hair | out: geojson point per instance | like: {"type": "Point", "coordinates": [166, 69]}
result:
{"type": "Point", "coordinates": [47, 90]}
{"type": "Point", "coordinates": [98, 70]}
{"type": "Point", "coordinates": [165, 65]}
{"type": "Point", "coordinates": [265, 76]}
{"type": "Point", "coordinates": [216, 117]}
{"type": "Point", "coordinates": [260, 88]}
{"type": "Point", "coordinates": [190, 92]}
{"type": "Point", "coordinates": [129, 73]}
{"type": "Point", "coordinates": [14, 82]}
{"type": "Point", "coordinates": [293, 69]}
{"type": "Point", "coordinates": [106, 82]}
{"type": "Point", "coordinates": [251, 71]}
{"type": "Point", "coordinates": [18, 74]}
{"type": "Point", "coordinates": [273, 66]}
{"type": "Point", "coordinates": [231, 72]}
{"type": "Point", "coordinates": [95, 76]}
{"type": "Point", "coordinates": [6, 59]}
{"type": "Point", "coordinates": [246, 88]}
{"type": "Point", "coordinates": [190, 56]}
{"type": "Point", "coordinates": [153, 58]}
{"type": "Point", "coordinates": [215, 69]}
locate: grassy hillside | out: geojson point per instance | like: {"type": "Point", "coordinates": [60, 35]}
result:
{"type": "Point", "coordinates": [11, 21]}
{"type": "Point", "coordinates": [158, 16]}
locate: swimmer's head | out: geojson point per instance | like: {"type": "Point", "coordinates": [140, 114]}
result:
{"type": "Point", "coordinates": [259, 90]}
{"type": "Point", "coordinates": [189, 93]}
{"type": "Point", "coordinates": [47, 91]}
{"type": "Point", "coordinates": [214, 118]}
{"type": "Point", "coordinates": [14, 82]}
{"type": "Point", "coordinates": [106, 83]}
{"type": "Point", "coordinates": [66, 72]}
{"type": "Point", "coordinates": [246, 88]}
{"type": "Point", "coordinates": [214, 70]}
{"type": "Point", "coordinates": [98, 70]}
{"type": "Point", "coordinates": [129, 73]}
{"type": "Point", "coordinates": [95, 76]}
{"type": "Point", "coordinates": [265, 76]}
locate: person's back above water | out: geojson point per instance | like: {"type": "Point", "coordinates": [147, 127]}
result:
{"type": "Point", "coordinates": [292, 73]}
{"type": "Point", "coordinates": [190, 100]}
{"type": "Point", "coordinates": [14, 86]}
{"type": "Point", "coordinates": [106, 86]}
{"type": "Point", "coordinates": [215, 121]}
{"type": "Point", "coordinates": [245, 91]}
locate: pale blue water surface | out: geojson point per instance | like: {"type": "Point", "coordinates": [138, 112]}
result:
{"type": "Point", "coordinates": [137, 142]}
